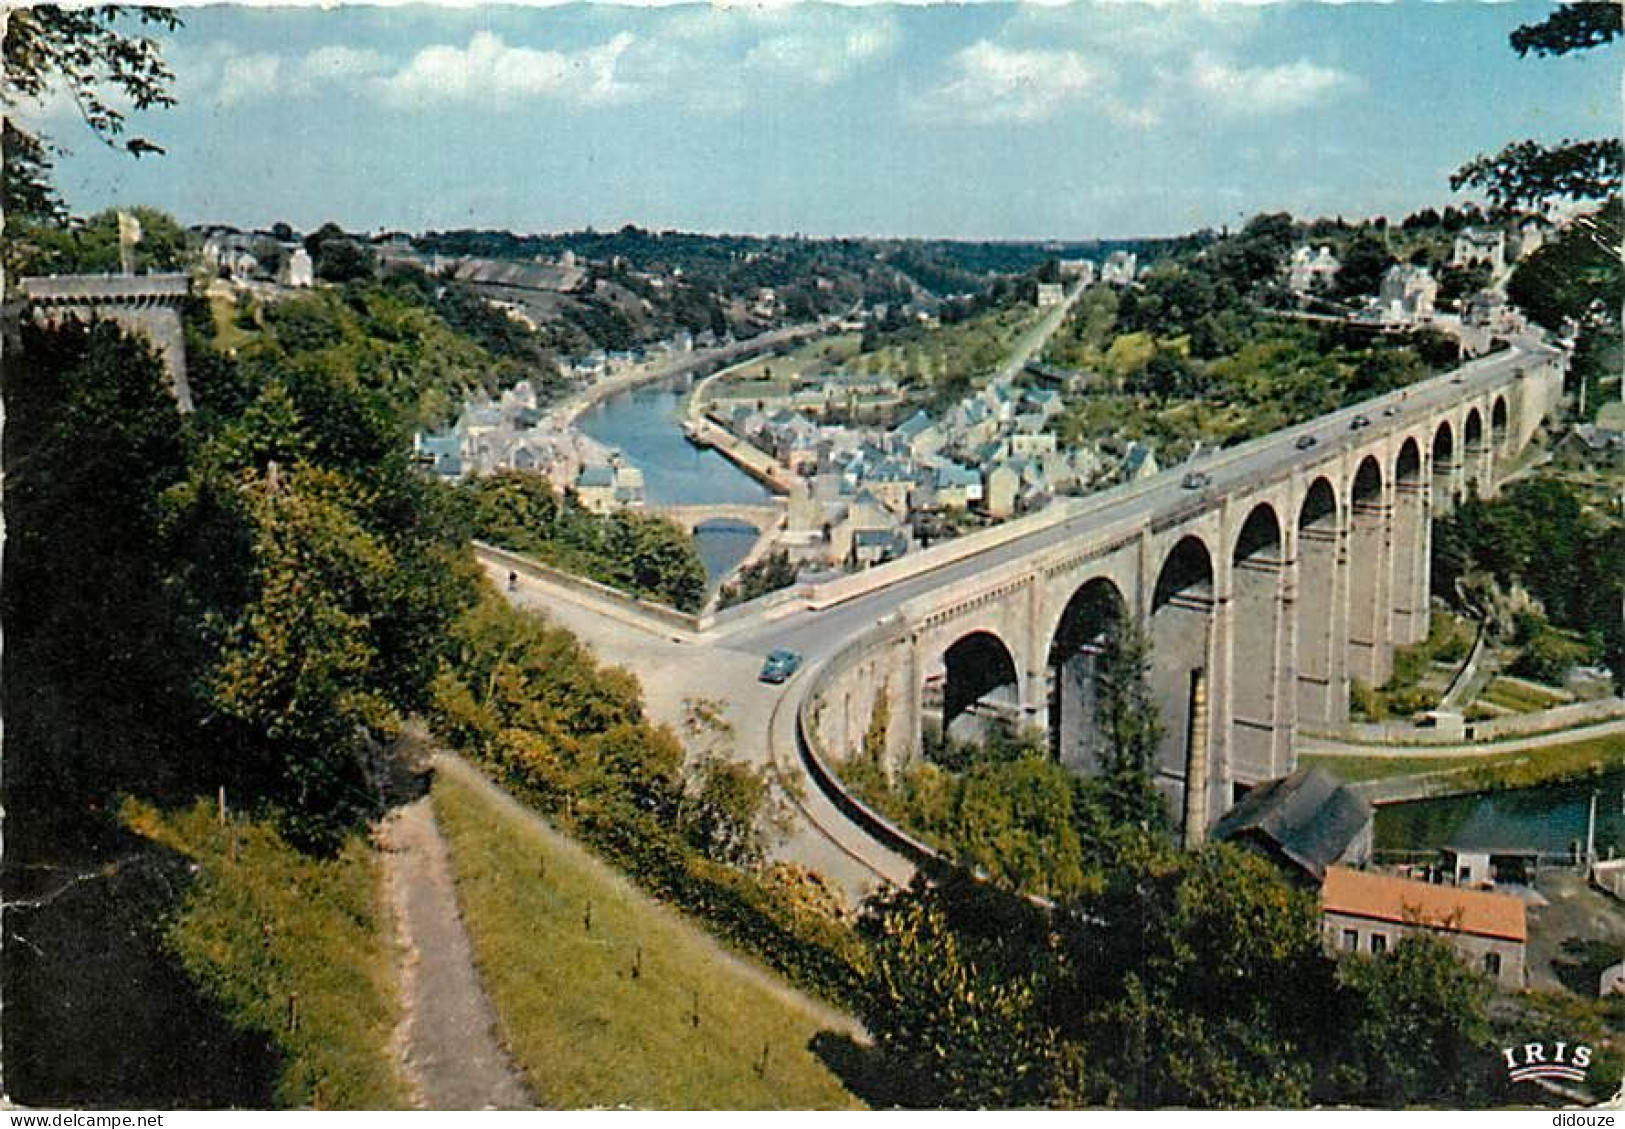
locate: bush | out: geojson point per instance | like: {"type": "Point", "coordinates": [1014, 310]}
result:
{"type": "Point", "coordinates": [1549, 655]}
{"type": "Point", "coordinates": [1365, 704]}
{"type": "Point", "coordinates": [643, 554]}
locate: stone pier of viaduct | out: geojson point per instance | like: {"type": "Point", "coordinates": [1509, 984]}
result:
{"type": "Point", "coordinates": [1284, 570]}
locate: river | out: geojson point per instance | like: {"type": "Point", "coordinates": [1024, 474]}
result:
{"type": "Point", "coordinates": [1549, 818]}
{"type": "Point", "coordinates": [645, 424]}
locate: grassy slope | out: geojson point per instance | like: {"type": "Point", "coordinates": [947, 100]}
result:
{"type": "Point", "coordinates": [584, 1030]}
{"type": "Point", "coordinates": [1519, 697]}
{"type": "Point", "coordinates": [264, 922]}
{"type": "Point", "coordinates": [1495, 771]}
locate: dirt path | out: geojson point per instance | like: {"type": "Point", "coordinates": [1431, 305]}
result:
{"type": "Point", "coordinates": [742, 966]}
{"type": "Point", "coordinates": [447, 1039]}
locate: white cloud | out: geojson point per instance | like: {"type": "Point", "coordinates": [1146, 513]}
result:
{"type": "Point", "coordinates": [224, 74]}
{"type": "Point", "coordinates": [489, 70]}
{"type": "Point", "coordinates": [992, 83]}
{"type": "Point", "coordinates": [336, 62]}
{"type": "Point", "coordinates": [718, 61]}
{"type": "Point", "coordinates": [246, 77]}
{"type": "Point", "coordinates": [1279, 89]}
{"type": "Point", "coordinates": [823, 55]}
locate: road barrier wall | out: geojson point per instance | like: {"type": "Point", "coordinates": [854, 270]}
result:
{"type": "Point", "coordinates": [648, 609]}
{"type": "Point", "coordinates": [820, 763]}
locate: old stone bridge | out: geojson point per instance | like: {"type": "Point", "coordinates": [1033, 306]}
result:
{"type": "Point", "coordinates": [761, 518]}
{"type": "Point", "coordinates": [1266, 577]}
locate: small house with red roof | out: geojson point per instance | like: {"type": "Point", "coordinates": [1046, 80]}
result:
{"type": "Point", "coordinates": [1365, 912]}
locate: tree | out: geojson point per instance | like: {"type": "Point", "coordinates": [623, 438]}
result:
{"type": "Point", "coordinates": [1014, 822]}
{"type": "Point", "coordinates": [1418, 1023]}
{"type": "Point", "coordinates": [297, 666]}
{"type": "Point", "coordinates": [1459, 283]}
{"type": "Point", "coordinates": [88, 54]}
{"type": "Point", "coordinates": [96, 679]}
{"type": "Point", "coordinates": [957, 1031]}
{"type": "Point", "coordinates": [84, 51]}
{"type": "Point", "coordinates": [1526, 175]}
{"type": "Point", "coordinates": [1573, 27]}
{"type": "Point", "coordinates": [1132, 728]}
{"type": "Point", "coordinates": [337, 256]}
{"type": "Point", "coordinates": [1176, 968]}
{"type": "Point", "coordinates": [1364, 263]}
{"type": "Point", "coordinates": [725, 802]}
{"type": "Point", "coordinates": [1576, 276]}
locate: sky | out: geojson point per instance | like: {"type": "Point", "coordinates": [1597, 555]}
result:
{"type": "Point", "coordinates": [988, 120]}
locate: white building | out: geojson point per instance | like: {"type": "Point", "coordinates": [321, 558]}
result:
{"type": "Point", "coordinates": [1407, 295]}
{"type": "Point", "coordinates": [1480, 245]}
{"type": "Point", "coordinates": [1312, 269]}
{"type": "Point", "coordinates": [299, 270]}
{"type": "Point", "coordinates": [1120, 269]}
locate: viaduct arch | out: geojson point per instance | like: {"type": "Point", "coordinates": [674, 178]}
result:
{"type": "Point", "coordinates": [1287, 570]}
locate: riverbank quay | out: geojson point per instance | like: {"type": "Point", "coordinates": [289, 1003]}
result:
{"type": "Point", "coordinates": [667, 368]}
{"type": "Point", "coordinates": [761, 466]}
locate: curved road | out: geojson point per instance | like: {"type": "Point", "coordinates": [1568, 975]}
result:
{"type": "Point", "coordinates": [722, 663]}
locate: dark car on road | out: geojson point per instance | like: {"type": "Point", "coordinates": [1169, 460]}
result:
{"type": "Point", "coordinates": [1306, 441]}
{"type": "Point", "coordinates": [1358, 422]}
{"type": "Point", "coordinates": [1195, 480]}
{"type": "Point", "coordinates": [780, 665]}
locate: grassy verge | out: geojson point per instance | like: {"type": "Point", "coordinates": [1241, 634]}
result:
{"type": "Point", "coordinates": [291, 946]}
{"type": "Point", "coordinates": [596, 987]}
{"type": "Point", "coordinates": [1489, 773]}
{"type": "Point", "coordinates": [1520, 697]}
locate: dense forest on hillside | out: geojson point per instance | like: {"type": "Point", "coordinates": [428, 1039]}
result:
{"type": "Point", "coordinates": [941, 266]}
{"type": "Point", "coordinates": [1539, 536]}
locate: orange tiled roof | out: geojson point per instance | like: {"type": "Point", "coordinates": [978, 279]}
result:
{"type": "Point", "coordinates": [1400, 900]}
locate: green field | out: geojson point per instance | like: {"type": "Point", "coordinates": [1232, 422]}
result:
{"type": "Point", "coordinates": [1488, 773]}
{"type": "Point", "coordinates": [295, 947]}
{"type": "Point", "coordinates": [826, 354]}
{"type": "Point", "coordinates": [605, 998]}
{"type": "Point", "coordinates": [957, 353]}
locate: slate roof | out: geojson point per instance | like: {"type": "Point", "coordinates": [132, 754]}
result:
{"type": "Point", "coordinates": [1597, 438]}
{"type": "Point", "coordinates": [1137, 454]}
{"type": "Point", "coordinates": [600, 477]}
{"type": "Point", "coordinates": [1309, 817]}
{"type": "Point", "coordinates": [916, 424]}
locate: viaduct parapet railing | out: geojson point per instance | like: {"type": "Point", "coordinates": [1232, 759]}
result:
{"type": "Point", "coordinates": [821, 765]}
{"type": "Point", "coordinates": [146, 304]}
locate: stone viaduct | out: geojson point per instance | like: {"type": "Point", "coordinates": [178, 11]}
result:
{"type": "Point", "coordinates": [1266, 577]}
{"type": "Point", "coordinates": [147, 304]}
